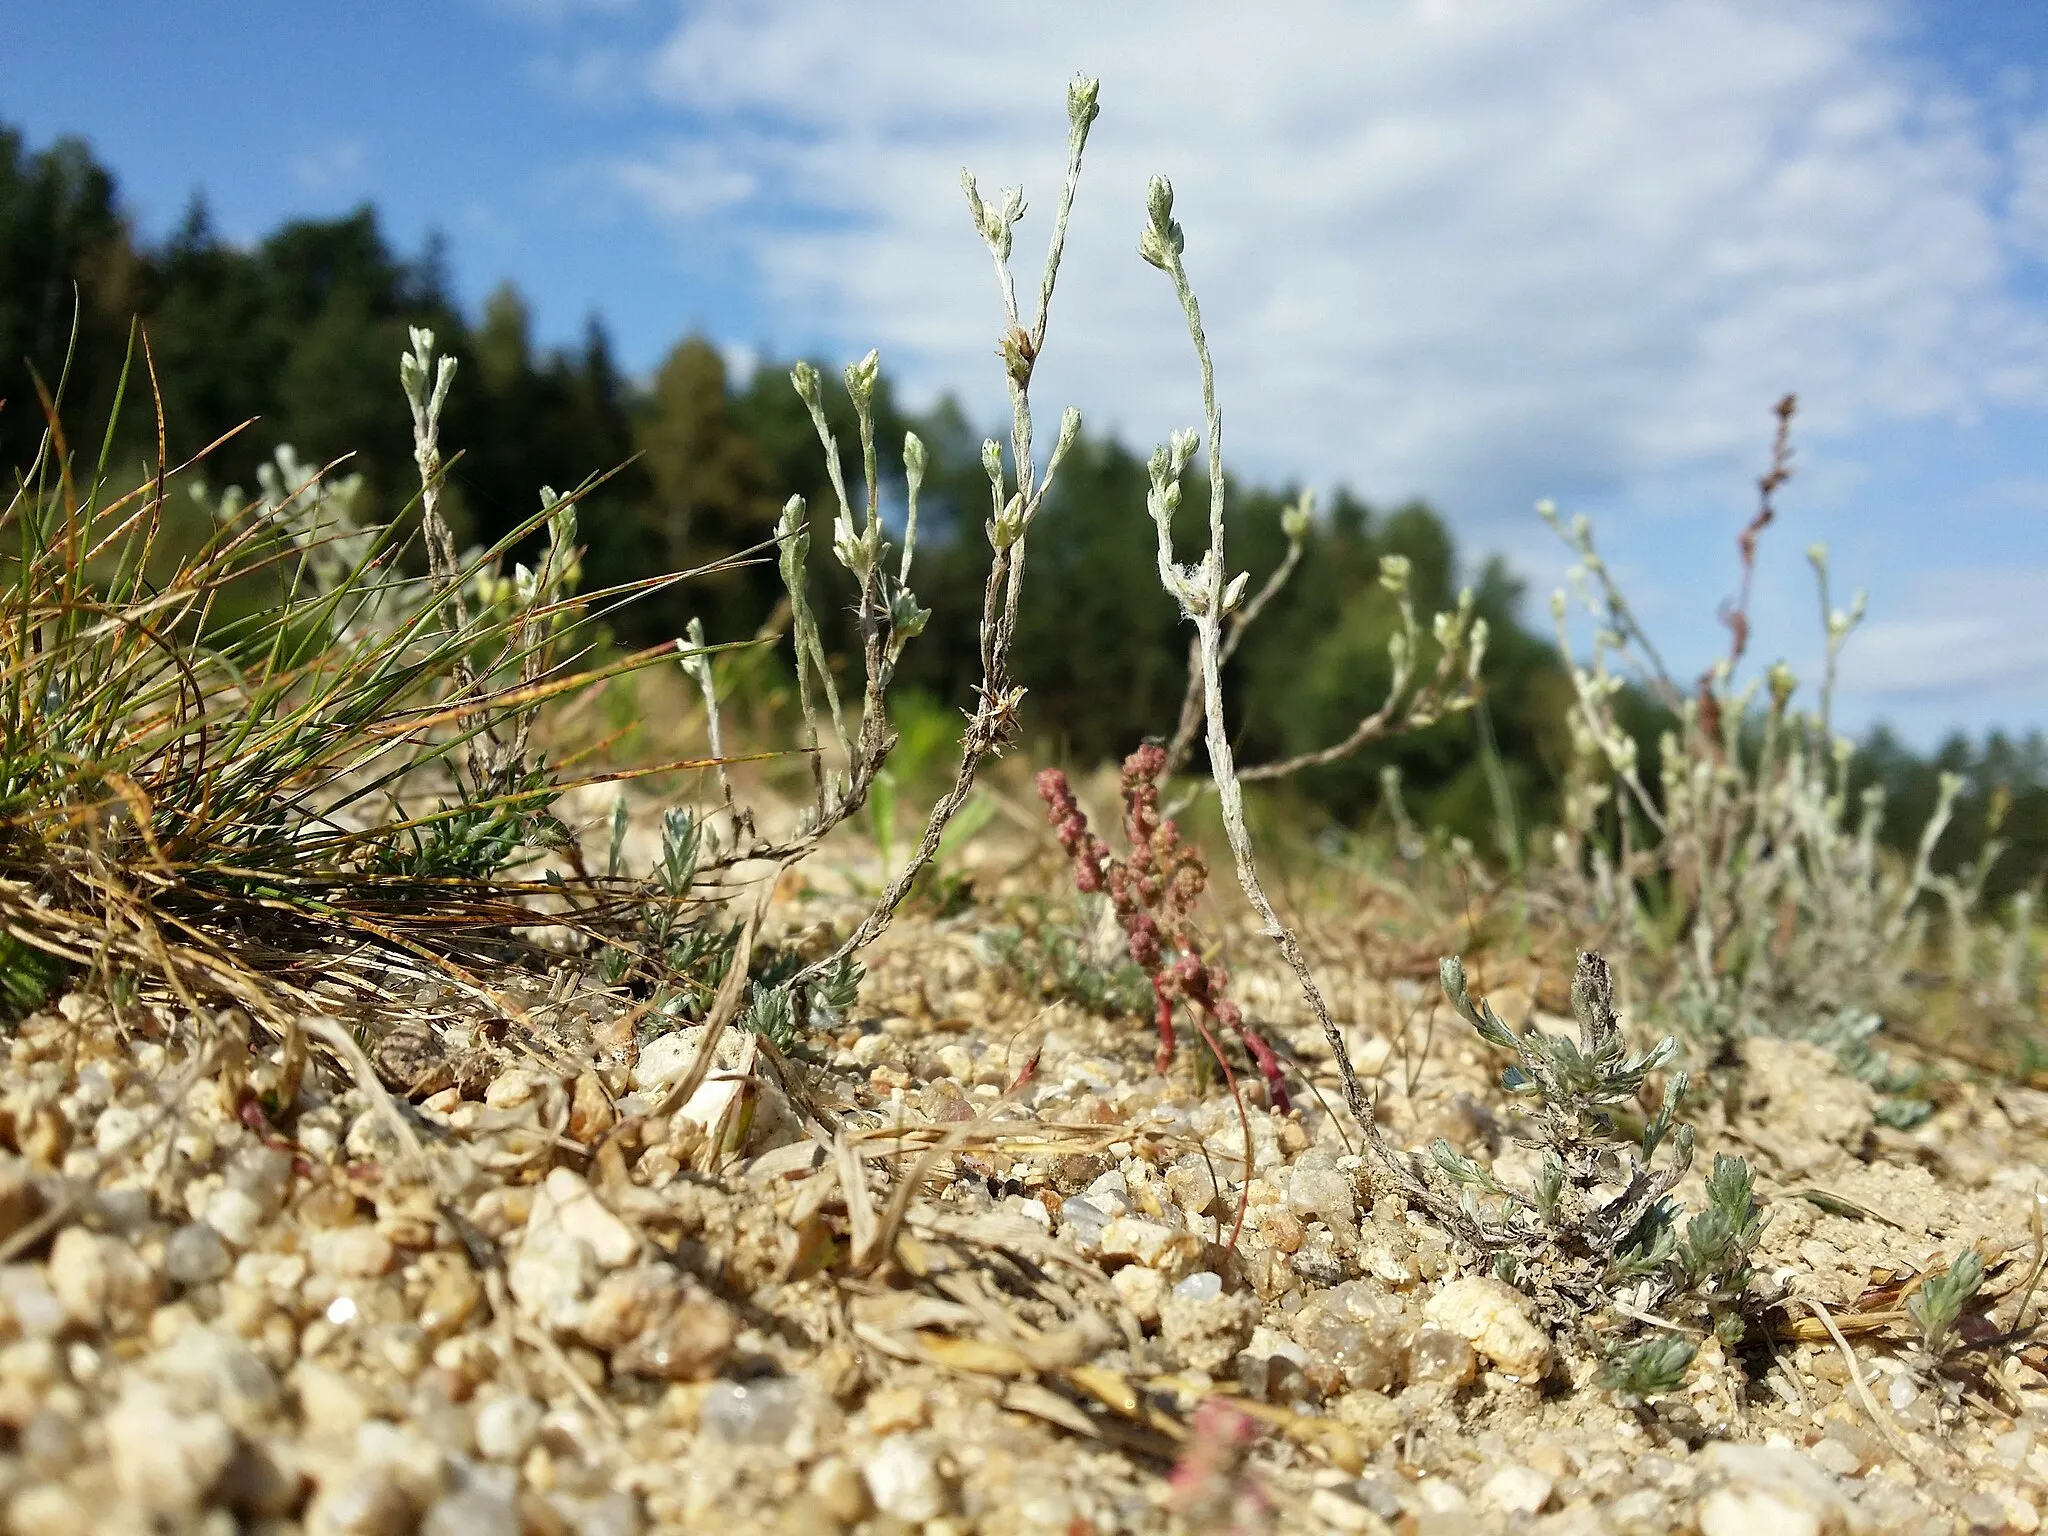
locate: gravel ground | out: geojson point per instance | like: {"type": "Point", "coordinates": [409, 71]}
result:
{"type": "Point", "coordinates": [894, 1288]}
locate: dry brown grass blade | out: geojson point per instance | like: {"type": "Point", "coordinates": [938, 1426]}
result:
{"type": "Point", "coordinates": [725, 1004]}
{"type": "Point", "coordinates": [1879, 1419]}
{"type": "Point", "coordinates": [860, 1215]}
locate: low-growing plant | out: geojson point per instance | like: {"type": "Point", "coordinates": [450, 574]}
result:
{"type": "Point", "coordinates": [1153, 887]}
{"type": "Point", "coordinates": [176, 778]}
{"type": "Point", "coordinates": [1937, 1306]}
{"type": "Point", "coordinates": [1597, 1229]}
{"type": "Point", "coordinates": [1651, 1367]}
{"type": "Point", "coordinates": [1062, 962]}
{"type": "Point", "coordinates": [1941, 1359]}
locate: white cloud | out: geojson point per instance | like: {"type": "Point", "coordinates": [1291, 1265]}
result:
{"type": "Point", "coordinates": [1958, 631]}
{"type": "Point", "coordinates": [685, 180]}
{"type": "Point", "coordinates": [1478, 250]}
{"type": "Point", "coordinates": [337, 166]}
{"type": "Point", "coordinates": [557, 11]}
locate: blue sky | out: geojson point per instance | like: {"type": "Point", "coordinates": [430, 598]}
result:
{"type": "Point", "coordinates": [1481, 251]}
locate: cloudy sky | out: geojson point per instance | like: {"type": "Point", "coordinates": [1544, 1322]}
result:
{"type": "Point", "coordinates": [1480, 251]}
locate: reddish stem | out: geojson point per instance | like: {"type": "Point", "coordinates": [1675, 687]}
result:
{"type": "Point", "coordinates": [1164, 1016]}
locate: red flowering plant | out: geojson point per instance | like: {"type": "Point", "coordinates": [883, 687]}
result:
{"type": "Point", "coordinates": [1154, 887]}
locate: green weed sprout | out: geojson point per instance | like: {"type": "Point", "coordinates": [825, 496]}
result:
{"type": "Point", "coordinates": [1568, 1239]}
{"type": "Point", "coordinates": [1938, 1304]}
{"type": "Point", "coordinates": [1561, 1230]}
{"type": "Point", "coordinates": [1649, 1368]}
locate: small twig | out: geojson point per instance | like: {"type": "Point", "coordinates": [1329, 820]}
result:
{"type": "Point", "coordinates": [732, 990]}
{"type": "Point", "coordinates": [343, 1044]}
{"type": "Point", "coordinates": [1879, 1420]}
{"type": "Point", "coordinates": [586, 1394]}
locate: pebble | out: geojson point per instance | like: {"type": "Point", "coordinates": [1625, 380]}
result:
{"type": "Point", "coordinates": [452, 1294]}
{"type": "Point", "coordinates": [606, 1514]}
{"type": "Point", "coordinates": [1207, 1332]}
{"type": "Point", "coordinates": [1493, 1317]}
{"type": "Point", "coordinates": [101, 1282]}
{"type": "Point", "coordinates": [366, 1501]}
{"type": "Point", "coordinates": [116, 1127]}
{"type": "Point", "coordinates": [1748, 1511]}
{"type": "Point", "coordinates": [264, 1174]}
{"type": "Point", "coordinates": [750, 1413]}
{"type": "Point", "coordinates": [1441, 1496]}
{"type": "Point", "coordinates": [1321, 1260]}
{"type": "Point", "coordinates": [1173, 1252]}
{"type": "Point", "coordinates": [1284, 1231]}
{"type": "Point", "coordinates": [329, 1402]}
{"type": "Point", "coordinates": [1192, 1183]}
{"type": "Point", "coordinates": [840, 1491]}
{"type": "Point", "coordinates": [507, 1423]}
{"type": "Point", "coordinates": [1355, 1337]}
{"type": "Point", "coordinates": [37, 1311]}
{"type": "Point", "coordinates": [211, 1367]}
{"type": "Point", "coordinates": [893, 1409]}
{"type": "Point", "coordinates": [1438, 1356]}
{"type": "Point", "coordinates": [691, 1343]}
{"type": "Point", "coordinates": [551, 1275]}
{"type": "Point", "coordinates": [413, 1459]}
{"type": "Point", "coordinates": [628, 1303]}
{"type": "Point", "coordinates": [1142, 1290]}
{"type": "Point", "coordinates": [45, 1509]}
{"type": "Point", "coordinates": [1110, 1193]}
{"type": "Point", "coordinates": [195, 1255]}
{"type": "Point", "coordinates": [1082, 1223]}
{"type": "Point", "coordinates": [903, 1478]}
{"type": "Point", "coordinates": [1333, 1512]}
{"type": "Point", "coordinates": [30, 1365]}
{"type": "Point", "coordinates": [590, 1111]}
{"type": "Point", "coordinates": [474, 1512]}
{"type": "Point", "coordinates": [1770, 1491]}
{"type": "Point", "coordinates": [1516, 1490]}
{"type": "Point", "coordinates": [361, 1252]}
{"type": "Point", "coordinates": [665, 1059]}
{"type": "Point", "coordinates": [1202, 1285]}
{"type": "Point", "coordinates": [512, 1088]}
{"type": "Point", "coordinates": [235, 1215]}
{"type": "Point", "coordinates": [566, 1200]}
{"type": "Point", "coordinates": [49, 1442]}
{"type": "Point", "coordinates": [163, 1458]}
{"type": "Point", "coordinates": [1325, 1193]}
{"type": "Point", "coordinates": [1833, 1456]}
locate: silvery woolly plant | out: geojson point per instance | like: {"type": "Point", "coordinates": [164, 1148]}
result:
{"type": "Point", "coordinates": [1779, 908]}
{"type": "Point", "coordinates": [521, 613]}
{"type": "Point", "coordinates": [1560, 1239]}
{"type": "Point", "coordinates": [1207, 598]}
{"type": "Point", "coordinates": [1597, 1227]}
{"type": "Point", "coordinates": [1420, 692]}
{"type": "Point", "coordinates": [846, 763]}
{"type": "Point", "coordinates": [1015, 499]}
